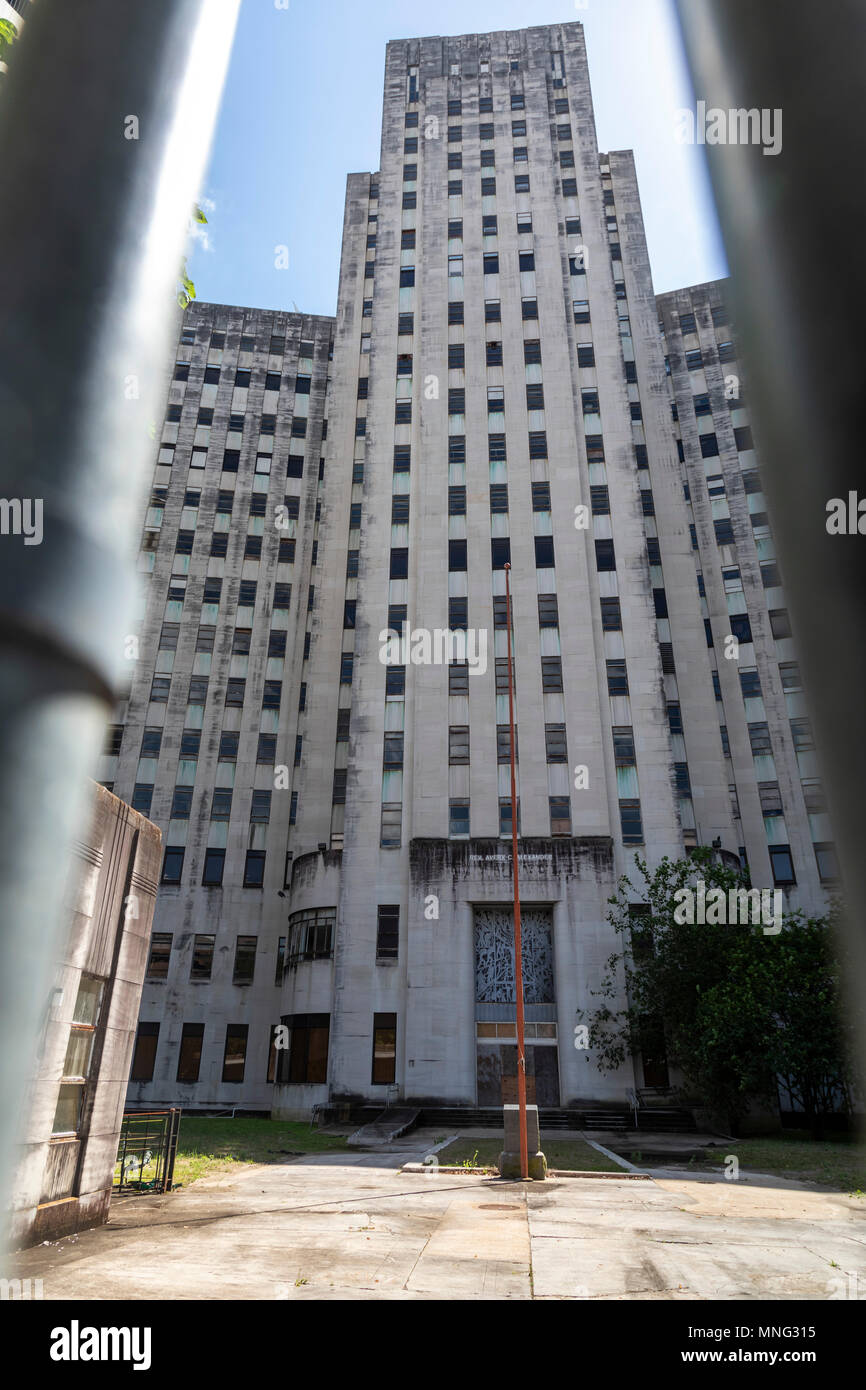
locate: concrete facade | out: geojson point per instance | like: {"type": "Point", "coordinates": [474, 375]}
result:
{"type": "Point", "coordinates": [69, 1140]}
{"type": "Point", "coordinates": [495, 388]}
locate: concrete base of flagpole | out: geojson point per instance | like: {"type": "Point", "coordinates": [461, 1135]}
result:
{"type": "Point", "coordinates": [509, 1159]}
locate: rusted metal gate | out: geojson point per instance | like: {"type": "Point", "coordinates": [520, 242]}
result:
{"type": "Point", "coordinates": [147, 1149]}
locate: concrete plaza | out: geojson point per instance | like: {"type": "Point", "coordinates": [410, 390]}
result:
{"type": "Point", "coordinates": [354, 1226]}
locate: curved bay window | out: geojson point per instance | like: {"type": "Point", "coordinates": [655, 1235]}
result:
{"type": "Point", "coordinates": [311, 935]}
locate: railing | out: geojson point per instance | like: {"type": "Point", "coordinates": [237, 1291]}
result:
{"type": "Point", "coordinates": [147, 1150]}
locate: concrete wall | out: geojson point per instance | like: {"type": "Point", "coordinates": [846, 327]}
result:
{"type": "Point", "coordinates": [64, 1174]}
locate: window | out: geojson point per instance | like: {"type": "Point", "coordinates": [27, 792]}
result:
{"type": "Point", "coordinates": [709, 446]}
{"type": "Point", "coordinates": [617, 678]}
{"type": "Point", "coordinates": [266, 751]}
{"type": "Point", "coordinates": [235, 690]}
{"type": "Point", "coordinates": [189, 1055]}
{"type": "Point", "coordinates": [458, 817]}
{"type": "Point", "coordinates": [214, 862]}
{"type": "Point", "coordinates": [623, 746]}
{"type": "Point", "coordinates": [544, 552]}
{"type": "Point", "coordinates": [387, 932]}
{"type": "Point", "coordinates": [498, 497]}
{"type": "Point", "coordinates": [456, 555]}
{"type": "Point", "coordinates": [540, 497]}
{"type": "Point", "coordinates": [825, 857]}
{"type": "Point", "coordinates": [458, 677]}
{"type": "Point", "coordinates": [555, 743]}
{"type": "Point", "coordinates": [548, 610]}
{"type": "Point", "coordinates": [458, 744]}
{"type": "Point", "coordinates": [235, 1054]}
{"type": "Point", "coordinates": [391, 825]}
{"type": "Point", "coordinates": [456, 502]}
{"type": "Point", "coordinates": [505, 823]}
{"type": "Point", "coordinates": [172, 864]}
{"type": "Point", "coordinates": [142, 797]}
{"type": "Point", "coordinates": [245, 960]}
{"type": "Point", "coordinates": [630, 822]}
{"type": "Point", "coordinates": [458, 614]}
{"type": "Point", "coordinates": [503, 744]}
{"type": "Point", "coordinates": [306, 1061]}
{"type": "Point", "coordinates": [782, 865]}
{"type": "Point", "coordinates": [393, 751]}
{"type": "Point", "coordinates": [779, 624]}
{"type": "Point", "coordinates": [202, 957]}
{"type": "Point", "coordinates": [604, 555]}
{"type": "Point", "coordinates": [551, 673]}
{"type": "Point", "coordinates": [160, 954]}
{"type": "Point", "coordinates": [500, 552]}
{"type": "Point", "coordinates": [759, 739]}
{"type": "Point", "coordinates": [560, 815]}
{"type": "Point", "coordinates": [611, 617]}
{"type": "Point", "coordinates": [143, 1058]}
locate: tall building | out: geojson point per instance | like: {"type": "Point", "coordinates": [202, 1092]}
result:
{"type": "Point", "coordinates": [501, 390]}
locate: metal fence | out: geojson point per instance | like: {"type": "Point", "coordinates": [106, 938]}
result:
{"type": "Point", "coordinates": [147, 1150]}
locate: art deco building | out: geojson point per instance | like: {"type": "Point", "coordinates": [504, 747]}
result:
{"type": "Point", "coordinates": [500, 386]}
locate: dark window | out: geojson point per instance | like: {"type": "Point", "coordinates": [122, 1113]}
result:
{"type": "Point", "coordinates": [144, 1057]}
{"type": "Point", "coordinates": [551, 673]}
{"type": "Point", "coordinates": [779, 623]}
{"type": "Point", "coordinates": [214, 862]}
{"type": "Point", "coordinates": [548, 610]}
{"type": "Point", "coordinates": [172, 864]}
{"type": "Point", "coordinates": [456, 555]}
{"type": "Point", "coordinates": [245, 960]}
{"type": "Point", "coordinates": [384, 1049]}
{"type": "Point", "coordinates": [630, 821]}
{"type": "Point", "coordinates": [605, 558]}
{"type": "Point", "coordinates": [782, 865]}
{"type": "Point", "coordinates": [399, 568]}
{"type": "Point", "coordinates": [235, 1053]}
{"type": "Point", "coordinates": [387, 932]}
{"type": "Point", "coordinates": [500, 551]}
{"type": "Point", "coordinates": [544, 552]}
{"type": "Point", "coordinates": [189, 1055]}
{"type": "Point", "coordinates": [617, 678]}
{"type": "Point", "coordinates": [266, 751]}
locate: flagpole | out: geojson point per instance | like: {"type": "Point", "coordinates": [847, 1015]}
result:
{"type": "Point", "coordinates": [518, 951]}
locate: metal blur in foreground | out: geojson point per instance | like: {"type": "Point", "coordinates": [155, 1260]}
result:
{"type": "Point", "coordinates": [791, 219]}
{"type": "Point", "coordinates": [106, 115]}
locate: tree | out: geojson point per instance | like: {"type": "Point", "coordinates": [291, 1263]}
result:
{"type": "Point", "coordinates": [735, 1008]}
{"type": "Point", "coordinates": [186, 288]}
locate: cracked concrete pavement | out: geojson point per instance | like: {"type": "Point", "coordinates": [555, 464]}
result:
{"type": "Point", "coordinates": [353, 1226]}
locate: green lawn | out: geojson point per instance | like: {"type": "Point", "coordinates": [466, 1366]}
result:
{"type": "Point", "coordinates": [571, 1154]}
{"type": "Point", "coordinates": [835, 1163]}
{"type": "Point", "coordinates": [213, 1146]}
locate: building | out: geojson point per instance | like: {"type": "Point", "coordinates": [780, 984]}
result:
{"type": "Point", "coordinates": [67, 1151]}
{"type": "Point", "coordinates": [495, 389]}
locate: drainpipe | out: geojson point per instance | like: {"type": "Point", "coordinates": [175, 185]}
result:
{"type": "Point", "coordinates": [106, 116]}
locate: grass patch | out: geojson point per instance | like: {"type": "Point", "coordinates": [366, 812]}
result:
{"type": "Point", "coordinates": [571, 1154]}
{"type": "Point", "coordinates": [839, 1164]}
{"type": "Point", "coordinates": [207, 1146]}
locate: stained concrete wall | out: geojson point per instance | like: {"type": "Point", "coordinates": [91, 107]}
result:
{"type": "Point", "coordinates": [63, 1180]}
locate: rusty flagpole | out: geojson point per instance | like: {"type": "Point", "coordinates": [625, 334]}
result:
{"type": "Point", "coordinates": [518, 950]}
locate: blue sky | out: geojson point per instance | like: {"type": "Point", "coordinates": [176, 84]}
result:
{"type": "Point", "coordinates": [302, 109]}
